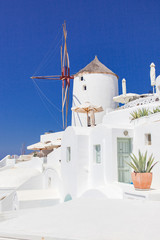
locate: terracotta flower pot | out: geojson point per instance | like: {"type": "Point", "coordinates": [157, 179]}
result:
{"type": "Point", "coordinates": [142, 180]}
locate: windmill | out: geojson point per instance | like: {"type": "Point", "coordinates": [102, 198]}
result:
{"type": "Point", "coordinates": [64, 77]}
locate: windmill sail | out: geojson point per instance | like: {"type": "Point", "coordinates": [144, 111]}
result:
{"type": "Point", "coordinates": [64, 77]}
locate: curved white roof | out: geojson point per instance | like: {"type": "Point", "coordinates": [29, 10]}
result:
{"type": "Point", "coordinates": [14, 177]}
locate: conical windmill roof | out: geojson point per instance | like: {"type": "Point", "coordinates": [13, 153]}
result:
{"type": "Point", "coordinates": [95, 67]}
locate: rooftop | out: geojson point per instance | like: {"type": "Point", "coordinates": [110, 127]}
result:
{"type": "Point", "coordinates": [95, 67]}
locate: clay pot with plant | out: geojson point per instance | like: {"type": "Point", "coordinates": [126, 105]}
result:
{"type": "Point", "coordinates": [142, 175]}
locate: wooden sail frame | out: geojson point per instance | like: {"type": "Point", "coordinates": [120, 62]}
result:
{"type": "Point", "coordinates": [64, 77]}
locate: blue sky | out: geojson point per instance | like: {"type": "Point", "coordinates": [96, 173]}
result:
{"type": "Point", "coordinates": [124, 34]}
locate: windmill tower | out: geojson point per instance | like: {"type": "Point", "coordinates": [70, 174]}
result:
{"type": "Point", "coordinates": [95, 84]}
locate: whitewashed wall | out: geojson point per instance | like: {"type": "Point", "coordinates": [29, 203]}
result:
{"type": "Point", "coordinates": [10, 203]}
{"type": "Point", "coordinates": [140, 144]}
{"type": "Point", "coordinates": [75, 173]}
{"type": "Point", "coordinates": [101, 88]}
{"type": "Point", "coordinates": [51, 136]}
{"type": "Point", "coordinates": [35, 162]}
{"type": "Point", "coordinates": [107, 170]}
{"type": "Point", "coordinates": [36, 182]}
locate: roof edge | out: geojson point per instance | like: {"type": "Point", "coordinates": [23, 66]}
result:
{"type": "Point", "coordinates": [82, 73]}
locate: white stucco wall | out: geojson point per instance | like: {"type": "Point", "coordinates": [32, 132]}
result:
{"type": "Point", "coordinates": [101, 88]}
{"type": "Point", "coordinates": [140, 144]}
{"type": "Point", "coordinates": [51, 136]}
{"type": "Point", "coordinates": [54, 159]}
{"type": "Point", "coordinates": [36, 182]}
{"type": "Point", "coordinates": [10, 203]}
{"type": "Point", "coordinates": [107, 170]}
{"type": "Point", "coordinates": [75, 172]}
{"type": "Point", "coordinates": [35, 162]}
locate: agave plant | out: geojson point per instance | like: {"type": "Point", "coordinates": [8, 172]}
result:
{"type": "Point", "coordinates": [134, 115]}
{"type": "Point", "coordinates": [139, 113]}
{"type": "Point", "coordinates": [140, 164]}
{"type": "Point", "coordinates": [143, 112]}
{"type": "Point", "coordinates": [155, 110]}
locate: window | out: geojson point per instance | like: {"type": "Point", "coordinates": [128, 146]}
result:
{"type": "Point", "coordinates": [148, 139]}
{"type": "Point", "coordinates": [97, 153]}
{"type": "Point", "coordinates": [82, 79]}
{"type": "Point", "coordinates": [49, 182]}
{"type": "Point", "coordinates": [68, 154]}
{"type": "Point", "coordinates": [84, 87]}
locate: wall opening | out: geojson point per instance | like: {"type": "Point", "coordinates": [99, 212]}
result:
{"type": "Point", "coordinates": [49, 182]}
{"type": "Point", "coordinates": [68, 197]}
{"type": "Point", "coordinates": [84, 87]}
{"type": "Point", "coordinates": [97, 153]}
{"type": "Point", "coordinates": [148, 140]}
{"type": "Point", "coordinates": [68, 154]}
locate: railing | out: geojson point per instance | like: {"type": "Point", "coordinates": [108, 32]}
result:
{"type": "Point", "coordinates": [3, 161]}
{"type": "Point", "coordinates": [141, 101]}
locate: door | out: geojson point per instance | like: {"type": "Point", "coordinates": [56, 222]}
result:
{"type": "Point", "coordinates": [123, 152]}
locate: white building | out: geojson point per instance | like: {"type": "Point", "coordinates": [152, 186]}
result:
{"type": "Point", "coordinates": [90, 166]}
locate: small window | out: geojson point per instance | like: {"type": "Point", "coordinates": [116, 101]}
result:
{"type": "Point", "coordinates": [97, 153]}
{"type": "Point", "coordinates": [82, 79]}
{"type": "Point", "coordinates": [68, 154]}
{"type": "Point", "coordinates": [84, 87]}
{"type": "Point", "coordinates": [89, 121]}
{"type": "Point", "coordinates": [49, 182]}
{"type": "Point", "coordinates": [148, 140]}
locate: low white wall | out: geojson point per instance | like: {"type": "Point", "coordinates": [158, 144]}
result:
{"type": "Point", "coordinates": [3, 161]}
{"type": "Point", "coordinates": [36, 182]}
{"type": "Point", "coordinates": [51, 136]}
{"type": "Point", "coordinates": [122, 117]}
{"type": "Point", "coordinates": [35, 162]}
{"type": "Point", "coordinates": [10, 203]}
{"type": "Point", "coordinates": [38, 203]}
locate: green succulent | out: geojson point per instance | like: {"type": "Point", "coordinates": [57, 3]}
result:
{"type": "Point", "coordinates": [140, 164]}
{"type": "Point", "coordinates": [134, 115]}
{"type": "Point", "coordinates": [155, 110]}
{"type": "Point", "coordinates": [139, 113]}
{"type": "Point", "coordinates": [144, 112]}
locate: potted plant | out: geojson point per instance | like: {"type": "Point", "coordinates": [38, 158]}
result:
{"type": "Point", "coordinates": [142, 176]}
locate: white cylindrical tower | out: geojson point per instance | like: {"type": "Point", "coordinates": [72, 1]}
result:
{"type": "Point", "coordinates": [95, 84]}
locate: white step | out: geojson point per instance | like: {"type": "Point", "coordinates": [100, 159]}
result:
{"type": "Point", "coordinates": [38, 198]}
